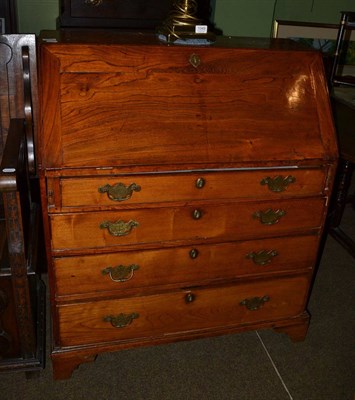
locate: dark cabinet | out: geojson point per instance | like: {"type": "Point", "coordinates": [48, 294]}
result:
{"type": "Point", "coordinates": [138, 14]}
{"type": "Point", "coordinates": [8, 16]}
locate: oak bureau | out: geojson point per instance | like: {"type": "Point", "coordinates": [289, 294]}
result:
{"type": "Point", "coordinates": [184, 189]}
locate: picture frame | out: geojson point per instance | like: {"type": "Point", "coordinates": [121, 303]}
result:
{"type": "Point", "coordinates": [320, 36]}
{"type": "Point", "coordinates": [291, 29]}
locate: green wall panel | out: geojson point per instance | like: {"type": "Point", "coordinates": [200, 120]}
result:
{"type": "Point", "coordinates": [326, 11]}
{"type": "Point", "coordinates": [233, 17]}
{"type": "Point", "coordinates": [35, 15]}
{"type": "Point", "coordinates": [244, 17]}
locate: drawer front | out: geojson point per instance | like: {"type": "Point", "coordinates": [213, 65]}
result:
{"type": "Point", "coordinates": [182, 311]}
{"type": "Point", "coordinates": [187, 265]}
{"type": "Point", "coordinates": [205, 221]}
{"type": "Point", "coordinates": [152, 188]}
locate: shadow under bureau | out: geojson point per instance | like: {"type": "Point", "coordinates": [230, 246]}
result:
{"type": "Point", "coordinates": [184, 188]}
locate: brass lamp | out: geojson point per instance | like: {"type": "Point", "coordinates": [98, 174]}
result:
{"type": "Point", "coordinates": [183, 25]}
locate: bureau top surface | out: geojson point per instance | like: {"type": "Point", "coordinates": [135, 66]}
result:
{"type": "Point", "coordinates": [136, 37]}
{"type": "Point", "coordinates": [128, 100]}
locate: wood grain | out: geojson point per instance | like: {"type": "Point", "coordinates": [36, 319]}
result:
{"type": "Point", "coordinates": [156, 225]}
{"type": "Point", "coordinates": [169, 314]}
{"type": "Point", "coordinates": [174, 266]}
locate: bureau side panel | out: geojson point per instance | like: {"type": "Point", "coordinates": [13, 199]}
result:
{"type": "Point", "coordinates": [50, 138]}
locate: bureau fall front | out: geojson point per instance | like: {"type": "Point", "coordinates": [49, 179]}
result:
{"type": "Point", "coordinates": [184, 188]}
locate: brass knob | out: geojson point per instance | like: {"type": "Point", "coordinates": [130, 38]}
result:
{"type": "Point", "coordinates": [194, 253]}
{"type": "Point", "coordinates": [197, 214]}
{"type": "Point", "coordinates": [189, 298]}
{"type": "Point", "coordinates": [200, 183]}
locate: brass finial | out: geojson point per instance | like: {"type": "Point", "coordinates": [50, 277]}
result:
{"type": "Point", "coordinates": [181, 23]}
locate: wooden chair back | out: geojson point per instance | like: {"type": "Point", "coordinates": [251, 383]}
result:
{"type": "Point", "coordinates": [18, 88]}
{"type": "Point", "coordinates": [22, 292]}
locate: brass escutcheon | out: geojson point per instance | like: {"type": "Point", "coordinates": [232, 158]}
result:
{"type": "Point", "coordinates": [254, 303]}
{"type": "Point", "coordinates": [195, 60]}
{"type": "Point", "coordinates": [121, 320]}
{"type": "Point", "coordinates": [278, 183]}
{"type": "Point", "coordinates": [262, 257]}
{"type": "Point", "coordinates": [269, 217]}
{"type": "Point", "coordinates": [119, 228]}
{"type": "Point", "coordinates": [119, 191]}
{"type": "Point", "coordinates": [121, 273]}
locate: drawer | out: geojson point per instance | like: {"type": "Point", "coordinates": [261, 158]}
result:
{"type": "Point", "coordinates": [187, 265]}
{"type": "Point", "coordinates": [231, 221]}
{"type": "Point", "coordinates": [181, 311]}
{"type": "Point", "coordinates": [152, 188]}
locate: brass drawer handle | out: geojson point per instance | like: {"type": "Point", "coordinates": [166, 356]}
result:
{"type": "Point", "coordinates": [193, 253]}
{"type": "Point", "coordinates": [262, 257]}
{"type": "Point", "coordinates": [119, 228]}
{"type": "Point", "coordinates": [254, 303]}
{"type": "Point", "coordinates": [121, 273]}
{"type": "Point", "coordinates": [278, 183]}
{"type": "Point", "coordinates": [197, 214]}
{"type": "Point", "coordinates": [94, 3]}
{"type": "Point", "coordinates": [200, 183]}
{"type": "Point", "coordinates": [119, 191]}
{"type": "Point", "coordinates": [121, 320]}
{"type": "Point", "coordinates": [269, 217]}
{"type": "Point", "coordinates": [195, 60]}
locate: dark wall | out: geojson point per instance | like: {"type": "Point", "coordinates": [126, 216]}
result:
{"type": "Point", "coordinates": [8, 15]}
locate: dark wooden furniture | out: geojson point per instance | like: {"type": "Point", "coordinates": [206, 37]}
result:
{"type": "Point", "coordinates": [8, 16]}
{"type": "Point", "coordinates": [137, 14]}
{"type": "Point", "coordinates": [22, 299]}
{"type": "Point", "coordinates": [347, 24]}
{"type": "Point", "coordinates": [343, 103]}
{"type": "Point", "coordinates": [344, 116]}
{"type": "Point", "coordinates": [184, 189]}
